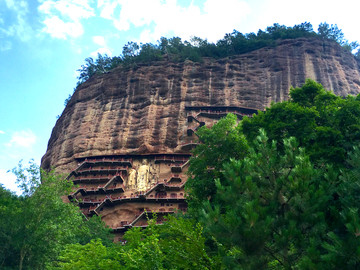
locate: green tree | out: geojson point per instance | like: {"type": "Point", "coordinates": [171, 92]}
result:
{"type": "Point", "coordinates": [149, 53]}
{"type": "Point", "coordinates": [287, 198]}
{"type": "Point", "coordinates": [218, 145]}
{"type": "Point", "coordinates": [273, 209]}
{"type": "Point", "coordinates": [87, 70]}
{"type": "Point", "coordinates": [102, 64]}
{"type": "Point", "coordinates": [331, 32]}
{"type": "Point", "coordinates": [234, 43]}
{"type": "Point", "coordinates": [327, 126]}
{"type": "Point", "coordinates": [10, 217]}
{"type": "Point", "coordinates": [91, 256]}
{"type": "Point", "coordinates": [129, 52]}
{"type": "Point", "coordinates": [41, 223]}
{"type": "Point", "coordinates": [177, 244]}
{"type": "Point", "coordinates": [250, 215]}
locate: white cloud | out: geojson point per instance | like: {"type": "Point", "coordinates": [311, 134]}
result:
{"type": "Point", "coordinates": [314, 12]}
{"type": "Point", "coordinates": [24, 138]}
{"type": "Point", "coordinates": [10, 3]}
{"type": "Point", "coordinates": [212, 22]}
{"type": "Point", "coordinates": [107, 8]}
{"type": "Point", "coordinates": [62, 18]}
{"type": "Point", "coordinates": [19, 27]}
{"type": "Point", "coordinates": [2, 132]}
{"type": "Point", "coordinates": [8, 179]}
{"type": "Point", "coordinates": [223, 17]}
{"type": "Point", "coordinates": [214, 18]}
{"type": "Point", "coordinates": [102, 51]}
{"type": "Point", "coordinates": [100, 40]}
{"type": "Point", "coordinates": [73, 9]}
{"type": "Point", "coordinates": [60, 29]}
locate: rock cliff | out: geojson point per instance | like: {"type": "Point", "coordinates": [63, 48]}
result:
{"type": "Point", "coordinates": [124, 137]}
{"type": "Point", "coordinates": [145, 109]}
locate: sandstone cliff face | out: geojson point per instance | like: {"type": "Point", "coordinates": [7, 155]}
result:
{"type": "Point", "coordinates": [142, 110]}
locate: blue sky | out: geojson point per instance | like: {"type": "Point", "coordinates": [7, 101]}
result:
{"type": "Point", "coordinates": [44, 42]}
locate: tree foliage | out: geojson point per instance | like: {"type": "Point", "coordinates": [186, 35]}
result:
{"type": "Point", "coordinates": [102, 64]}
{"type": "Point", "coordinates": [177, 244]}
{"type": "Point", "coordinates": [332, 32]}
{"type": "Point", "coordinates": [176, 50]}
{"type": "Point", "coordinates": [289, 198]}
{"type": "Point", "coordinates": [327, 126]}
{"type": "Point", "coordinates": [218, 145]}
{"type": "Point", "coordinates": [36, 225]}
{"type": "Point", "coordinates": [277, 210]}
{"type": "Point", "coordinates": [280, 190]}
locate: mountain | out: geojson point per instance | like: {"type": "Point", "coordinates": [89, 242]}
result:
{"type": "Point", "coordinates": [125, 136]}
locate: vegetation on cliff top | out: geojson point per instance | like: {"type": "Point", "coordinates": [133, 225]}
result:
{"type": "Point", "coordinates": [235, 43]}
{"type": "Point", "coordinates": [279, 190]}
{"type": "Point", "coordinates": [174, 49]}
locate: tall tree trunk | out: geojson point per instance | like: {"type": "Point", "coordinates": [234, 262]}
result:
{"type": "Point", "coordinates": [22, 256]}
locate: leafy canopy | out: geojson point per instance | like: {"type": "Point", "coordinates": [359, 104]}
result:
{"type": "Point", "coordinates": [288, 197]}
{"type": "Point", "coordinates": [177, 244]}
{"type": "Point", "coordinates": [235, 43]}
{"type": "Point", "coordinates": [279, 190]}
{"type": "Point", "coordinates": [36, 225]}
{"type": "Point", "coordinates": [327, 126]}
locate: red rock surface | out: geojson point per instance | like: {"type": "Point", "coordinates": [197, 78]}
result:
{"type": "Point", "coordinates": [125, 136]}
{"type": "Point", "coordinates": [141, 110]}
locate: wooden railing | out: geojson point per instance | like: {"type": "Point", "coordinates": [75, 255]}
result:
{"type": "Point", "coordinates": [103, 168]}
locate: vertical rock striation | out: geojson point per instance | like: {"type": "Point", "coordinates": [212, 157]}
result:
{"type": "Point", "coordinates": [145, 110]}
{"type": "Point", "coordinates": [142, 110]}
